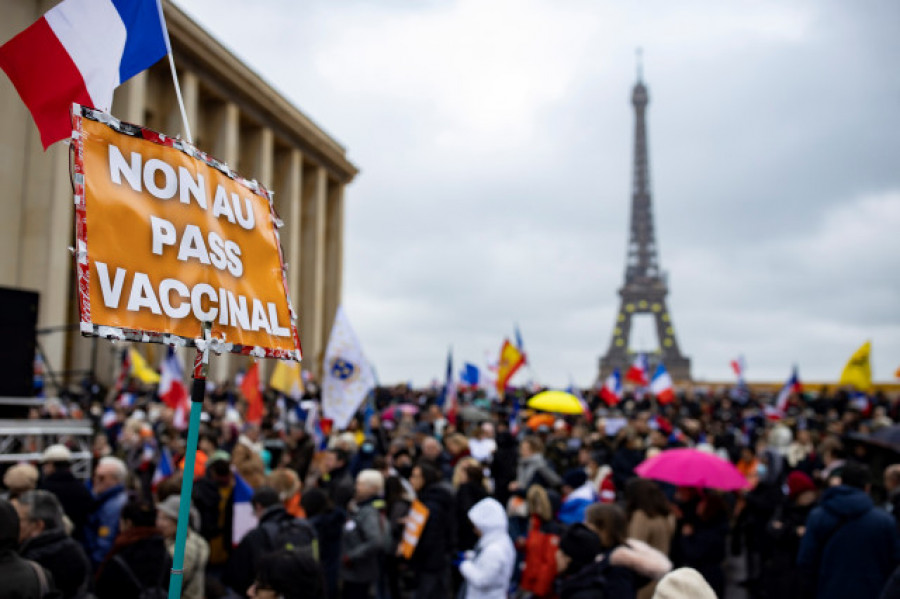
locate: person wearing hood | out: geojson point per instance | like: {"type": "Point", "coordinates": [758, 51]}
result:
{"type": "Point", "coordinates": [487, 573]}
{"type": "Point", "coordinates": [581, 576]}
{"type": "Point", "coordinates": [44, 540]}
{"type": "Point", "coordinates": [22, 579]}
{"type": "Point", "coordinates": [850, 548]}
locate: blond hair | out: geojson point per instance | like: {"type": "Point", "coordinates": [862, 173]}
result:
{"type": "Point", "coordinates": [539, 502]}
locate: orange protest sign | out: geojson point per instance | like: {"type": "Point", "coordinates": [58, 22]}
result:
{"type": "Point", "coordinates": [168, 238]}
{"type": "Point", "coordinates": [415, 522]}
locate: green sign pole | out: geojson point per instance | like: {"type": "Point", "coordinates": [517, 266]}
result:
{"type": "Point", "coordinates": [198, 392]}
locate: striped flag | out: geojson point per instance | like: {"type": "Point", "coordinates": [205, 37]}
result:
{"type": "Point", "coordinates": [791, 386]}
{"type": "Point", "coordinates": [661, 386]}
{"type": "Point", "coordinates": [639, 371]}
{"type": "Point", "coordinates": [244, 520]}
{"type": "Point", "coordinates": [611, 392]}
{"type": "Point", "coordinates": [164, 469]}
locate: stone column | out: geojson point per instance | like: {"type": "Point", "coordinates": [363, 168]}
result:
{"type": "Point", "coordinates": [334, 255]}
{"type": "Point", "coordinates": [224, 133]}
{"type": "Point", "coordinates": [288, 202]}
{"type": "Point", "coordinates": [315, 189]}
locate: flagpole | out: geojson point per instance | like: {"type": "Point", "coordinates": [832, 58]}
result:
{"type": "Point", "coordinates": [184, 119]}
{"type": "Point", "coordinates": [198, 392]}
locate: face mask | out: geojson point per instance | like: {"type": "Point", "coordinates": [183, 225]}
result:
{"type": "Point", "coordinates": [405, 471]}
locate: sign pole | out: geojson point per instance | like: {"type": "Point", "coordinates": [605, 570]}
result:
{"type": "Point", "coordinates": [198, 392]}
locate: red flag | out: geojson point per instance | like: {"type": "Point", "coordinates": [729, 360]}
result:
{"type": "Point", "coordinates": [250, 389]}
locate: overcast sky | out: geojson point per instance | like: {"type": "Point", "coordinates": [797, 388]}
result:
{"type": "Point", "coordinates": [494, 139]}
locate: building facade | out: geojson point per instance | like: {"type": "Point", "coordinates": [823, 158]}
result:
{"type": "Point", "coordinates": [236, 117]}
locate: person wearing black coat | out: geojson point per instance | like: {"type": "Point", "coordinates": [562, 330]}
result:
{"type": "Point", "coordinates": [580, 575]}
{"type": "Point", "coordinates": [20, 578]}
{"type": "Point", "coordinates": [471, 490]}
{"type": "Point", "coordinates": [44, 540]}
{"type": "Point", "coordinates": [431, 559]}
{"type": "Point", "coordinates": [138, 560]}
{"type": "Point", "coordinates": [504, 465]}
{"type": "Point", "coordinates": [785, 530]}
{"type": "Point", "coordinates": [216, 524]}
{"type": "Point", "coordinates": [701, 541]}
{"type": "Point", "coordinates": [73, 495]}
{"type": "Point", "coordinates": [329, 524]}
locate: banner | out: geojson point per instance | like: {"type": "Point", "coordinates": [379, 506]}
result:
{"type": "Point", "coordinates": [415, 522]}
{"type": "Point", "coordinates": [346, 375]}
{"type": "Point", "coordinates": [167, 238]}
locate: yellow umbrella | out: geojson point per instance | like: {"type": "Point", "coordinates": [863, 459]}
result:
{"type": "Point", "coordinates": [558, 402]}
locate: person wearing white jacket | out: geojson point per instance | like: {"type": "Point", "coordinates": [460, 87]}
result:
{"type": "Point", "coordinates": [487, 573]}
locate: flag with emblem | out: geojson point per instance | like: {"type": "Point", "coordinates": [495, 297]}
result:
{"type": "Point", "coordinates": [346, 375]}
{"type": "Point", "coordinates": [511, 359]}
{"type": "Point", "coordinates": [858, 371]}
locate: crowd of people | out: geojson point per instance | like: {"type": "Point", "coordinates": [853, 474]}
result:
{"type": "Point", "coordinates": [413, 500]}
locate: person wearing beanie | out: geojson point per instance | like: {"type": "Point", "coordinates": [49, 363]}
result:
{"type": "Point", "coordinates": [487, 573]}
{"type": "Point", "coordinates": [784, 532]}
{"type": "Point", "coordinates": [580, 576]}
{"type": "Point", "coordinates": [683, 583]}
{"type": "Point", "coordinates": [21, 579]}
{"type": "Point", "coordinates": [19, 479]}
{"type": "Point", "coordinates": [578, 494]}
{"type": "Point", "coordinates": [196, 549]}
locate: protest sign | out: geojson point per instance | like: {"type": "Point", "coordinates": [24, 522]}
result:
{"type": "Point", "coordinates": [168, 237]}
{"type": "Point", "coordinates": [415, 522]}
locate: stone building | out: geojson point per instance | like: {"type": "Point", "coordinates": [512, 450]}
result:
{"type": "Point", "coordinates": [236, 117]}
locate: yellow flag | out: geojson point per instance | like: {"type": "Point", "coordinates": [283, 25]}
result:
{"type": "Point", "coordinates": [286, 378]}
{"type": "Point", "coordinates": [140, 368]}
{"type": "Point", "coordinates": [511, 359]}
{"type": "Point", "coordinates": [858, 371]}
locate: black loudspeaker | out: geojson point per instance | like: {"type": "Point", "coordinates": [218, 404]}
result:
{"type": "Point", "coordinates": [18, 319]}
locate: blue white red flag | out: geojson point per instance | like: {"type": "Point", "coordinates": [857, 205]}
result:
{"type": "Point", "coordinates": [639, 371]}
{"type": "Point", "coordinates": [164, 469]}
{"type": "Point", "coordinates": [791, 386]}
{"type": "Point", "coordinates": [661, 386]}
{"type": "Point", "coordinates": [244, 520]}
{"type": "Point", "coordinates": [861, 402]}
{"type": "Point", "coordinates": [611, 392]}
{"type": "Point", "coordinates": [172, 390]}
{"type": "Point", "coordinates": [80, 51]}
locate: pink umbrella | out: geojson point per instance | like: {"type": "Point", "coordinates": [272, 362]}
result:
{"type": "Point", "coordinates": [404, 408]}
{"type": "Point", "coordinates": [692, 468]}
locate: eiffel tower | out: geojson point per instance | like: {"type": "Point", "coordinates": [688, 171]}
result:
{"type": "Point", "coordinates": [646, 286]}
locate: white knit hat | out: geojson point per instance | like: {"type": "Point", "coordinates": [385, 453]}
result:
{"type": "Point", "coordinates": [683, 583]}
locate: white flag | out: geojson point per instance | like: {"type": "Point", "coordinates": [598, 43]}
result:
{"type": "Point", "coordinates": [346, 376]}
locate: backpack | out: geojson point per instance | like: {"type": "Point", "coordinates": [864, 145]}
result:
{"type": "Point", "coordinates": [291, 534]}
{"type": "Point", "coordinates": [144, 592]}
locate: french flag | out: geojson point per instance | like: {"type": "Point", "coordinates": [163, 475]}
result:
{"type": "Point", "coordinates": [661, 386]}
{"type": "Point", "coordinates": [244, 520]}
{"type": "Point", "coordinates": [164, 469]}
{"type": "Point", "coordinates": [172, 391]}
{"type": "Point", "coordinates": [611, 392]}
{"type": "Point", "coordinates": [80, 51]}
{"type": "Point", "coordinates": [638, 372]}
{"type": "Point", "coordinates": [791, 386]}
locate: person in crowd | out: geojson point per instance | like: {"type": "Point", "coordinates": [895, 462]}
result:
{"type": "Point", "coordinates": [19, 578]}
{"type": "Point", "coordinates": [892, 487]}
{"type": "Point", "coordinates": [458, 447]}
{"type": "Point", "coordinates": [504, 465]}
{"type": "Point", "coordinates": [581, 576]}
{"type": "Point", "coordinates": [335, 477]}
{"type": "Point", "coordinates": [76, 500]}
{"type": "Point", "coordinates": [138, 562]}
{"type": "Point", "coordinates": [785, 530]}
{"type": "Point", "coordinates": [701, 539]}
{"type": "Point", "coordinates": [683, 583]}
{"type": "Point", "coordinates": [43, 539]}
{"type": "Point", "coordinates": [437, 542]}
{"type": "Point", "coordinates": [650, 520]}
{"type": "Point", "coordinates": [600, 475]}
{"type": "Point", "coordinates": [247, 457]}
{"type": "Point", "coordinates": [285, 574]}
{"type": "Point", "coordinates": [19, 479]}
{"type": "Point", "coordinates": [102, 527]}
{"type": "Point", "coordinates": [482, 444]}
{"type": "Point", "coordinates": [433, 452]}
{"type": "Point", "coordinates": [196, 549]}
{"type": "Point", "coordinates": [833, 456]}
{"type": "Point", "coordinates": [578, 493]}
{"type": "Point", "coordinates": [631, 564]}
{"type": "Point", "coordinates": [849, 547]}
{"type": "Point", "coordinates": [329, 524]}
{"type": "Point", "coordinates": [628, 454]}
{"type": "Point", "coordinates": [214, 499]}
{"type": "Point", "coordinates": [287, 483]}
{"type": "Point", "coordinates": [471, 487]}
{"type": "Point", "coordinates": [398, 498]}
{"type": "Point", "coordinates": [532, 468]}
{"type": "Point", "coordinates": [276, 529]}
{"type": "Point", "coordinates": [544, 532]}
{"type": "Point", "coordinates": [366, 537]}
{"type": "Point", "coordinates": [487, 570]}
